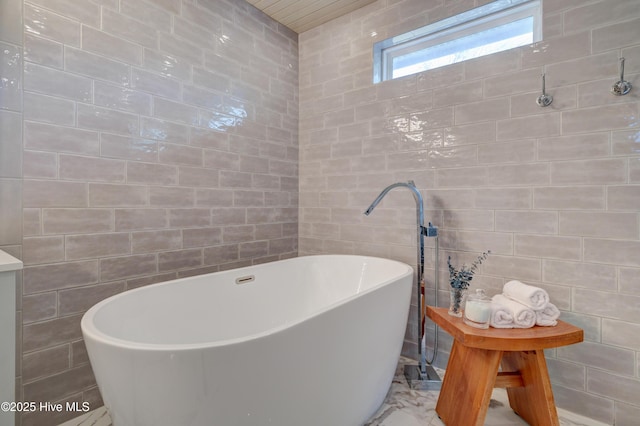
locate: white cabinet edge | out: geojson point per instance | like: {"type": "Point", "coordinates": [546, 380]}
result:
{"type": "Point", "coordinates": [9, 263]}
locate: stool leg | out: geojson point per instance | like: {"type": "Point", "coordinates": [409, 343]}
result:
{"type": "Point", "coordinates": [533, 401]}
{"type": "Point", "coordinates": [467, 385]}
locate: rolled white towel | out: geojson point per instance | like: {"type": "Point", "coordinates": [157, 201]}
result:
{"type": "Point", "coordinates": [548, 315]}
{"type": "Point", "coordinates": [523, 317]}
{"type": "Point", "coordinates": [533, 297]}
{"type": "Point", "coordinates": [501, 316]}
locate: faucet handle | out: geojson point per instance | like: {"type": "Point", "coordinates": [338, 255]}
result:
{"type": "Point", "coordinates": [429, 230]}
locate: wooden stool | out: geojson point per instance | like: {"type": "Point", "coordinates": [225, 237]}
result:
{"type": "Point", "coordinates": [472, 371]}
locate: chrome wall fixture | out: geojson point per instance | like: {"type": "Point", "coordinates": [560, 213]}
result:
{"type": "Point", "coordinates": [544, 100]}
{"type": "Point", "coordinates": [621, 87]}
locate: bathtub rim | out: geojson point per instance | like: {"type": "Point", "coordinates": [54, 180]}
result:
{"type": "Point", "coordinates": [89, 329]}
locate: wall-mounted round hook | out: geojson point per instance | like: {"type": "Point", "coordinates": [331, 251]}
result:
{"type": "Point", "coordinates": [621, 87]}
{"type": "Point", "coordinates": [544, 100]}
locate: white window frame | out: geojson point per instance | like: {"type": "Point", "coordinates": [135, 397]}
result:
{"type": "Point", "coordinates": [491, 15]}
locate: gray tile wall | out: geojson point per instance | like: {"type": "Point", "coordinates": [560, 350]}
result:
{"type": "Point", "coordinates": [160, 141]}
{"type": "Point", "coordinates": [11, 111]}
{"type": "Point", "coordinates": [552, 191]}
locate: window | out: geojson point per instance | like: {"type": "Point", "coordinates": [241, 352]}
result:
{"type": "Point", "coordinates": [494, 27]}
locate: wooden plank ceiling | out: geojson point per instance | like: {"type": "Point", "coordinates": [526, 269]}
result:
{"type": "Point", "coordinates": [302, 15]}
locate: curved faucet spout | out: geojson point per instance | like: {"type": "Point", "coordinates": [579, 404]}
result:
{"type": "Point", "coordinates": [416, 195]}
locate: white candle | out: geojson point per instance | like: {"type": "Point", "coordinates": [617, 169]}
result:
{"type": "Point", "coordinates": [477, 311]}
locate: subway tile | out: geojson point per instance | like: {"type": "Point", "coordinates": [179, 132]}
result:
{"type": "Point", "coordinates": [140, 218]}
{"type": "Point", "coordinates": [228, 216]}
{"type": "Point", "coordinates": [587, 404]}
{"type": "Point", "coordinates": [96, 66]}
{"type": "Point", "coordinates": [621, 334]}
{"type": "Point", "coordinates": [623, 197]}
{"type": "Point", "coordinates": [96, 245]}
{"type": "Point", "coordinates": [233, 179]}
{"type": "Point", "coordinates": [522, 268]}
{"type": "Point", "coordinates": [76, 221]}
{"type": "Point", "coordinates": [458, 94]}
{"type": "Point", "coordinates": [38, 250]}
{"type": "Point", "coordinates": [112, 47]}
{"type": "Point", "coordinates": [569, 197]}
{"type": "Point", "coordinates": [529, 127]}
{"type": "Point", "coordinates": [591, 354]}
{"type": "Point", "coordinates": [214, 198]}
{"type": "Point", "coordinates": [45, 137]}
{"type": "Point", "coordinates": [468, 219]}
{"type": "Point", "coordinates": [599, 224]}
{"type": "Point", "coordinates": [237, 234]}
{"type": "Point", "coordinates": [77, 300]}
{"type": "Point", "coordinates": [625, 142]}
{"type": "Point", "coordinates": [42, 51]}
{"type": "Point", "coordinates": [60, 385]}
{"type": "Point", "coordinates": [626, 414]}
{"type": "Point", "coordinates": [589, 172]}
{"type": "Point", "coordinates": [603, 118]}
{"type": "Point", "coordinates": [629, 280]}
{"type": "Point", "coordinates": [621, 388]}
{"type": "Point", "coordinates": [110, 195]}
{"type": "Point", "coordinates": [524, 221]}
{"type": "Point", "coordinates": [118, 97]}
{"type": "Point", "coordinates": [253, 249]}
{"type": "Point", "coordinates": [565, 373]}
{"type": "Point", "coordinates": [577, 274]}
{"type": "Point", "coordinates": [107, 120]}
{"type": "Point", "coordinates": [615, 252]}
{"type": "Point", "coordinates": [171, 197]}
{"type": "Point", "coordinates": [518, 174]}
{"type": "Point", "coordinates": [189, 218]}
{"type": "Point", "coordinates": [74, 167]}
{"type": "Point", "coordinates": [10, 148]}
{"type": "Point", "coordinates": [590, 324]}
{"type": "Point", "coordinates": [198, 96]}
{"type": "Point", "coordinates": [39, 307]}
{"type": "Point", "coordinates": [155, 84]}
{"type": "Point", "coordinates": [126, 148]}
{"type": "Point", "coordinates": [166, 65]}
{"type": "Point", "coordinates": [573, 147]}
{"type": "Point", "coordinates": [470, 134]}
{"type": "Point", "coordinates": [126, 28]}
{"type": "Point", "coordinates": [616, 35]}
{"type": "Point", "coordinates": [158, 240]}
{"type": "Point", "coordinates": [494, 109]}
{"type": "Point", "coordinates": [162, 130]}
{"type": "Point", "coordinates": [181, 259]}
{"type": "Point", "coordinates": [31, 222]}
{"type": "Point", "coordinates": [49, 109]}
{"type": "Point", "coordinates": [11, 28]}
{"type": "Point", "coordinates": [497, 63]}
{"type": "Point", "coordinates": [180, 154]}
{"type": "Point", "coordinates": [46, 362]}
{"type": "Point", "coordinates": [198, 177]}
{"type": "Point", "coordinates": [88, 13]}
{"type": "Point", "coordinates": [36, 164]}
{"type": "Point", "coordinates": [201, 237]}
{"type": "Point", "coordinates": [41, 193]}
{"type": "Point", "coordinates": [431, 119]}
{"type": "Point", "coordinates": [581, 69]}
{"type": "Point", "coordinates": [117, 268]}
{"type": "Point", "coordinates": [174, 111]}
{"type": "Point", "coordinates": [512, 83]}
{"type": "Point", "coordinates": [589, 93]}
{"type": "Point", "coordinates": [50, 81]}
{"type": "Point", "coordinates": [547, 246]}
{"type": "Point", "coordinates": [498, 243]}
{"type": "Point", "coordinates": [557, 50]}
{"type": "Point", "coordinates": [51, 333]}
{"type": "Point", "coordinates": [59, 276]}
{"type": "Point", "coordinates": [221, 254]}
{"type": "Point", "coordinates": [519, 151]}
{"type": "Point", "coordinates": [43, 23]}
{"type": "Point", "coordinates": [151, 174]}
{"type": "Point", "coordinates": [148, 13]}
{"type": "Point", "coordinates": [180, 48]}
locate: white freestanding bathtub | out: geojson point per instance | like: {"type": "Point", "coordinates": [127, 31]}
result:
{"type": "Point", "coordinates": [300, 342]}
